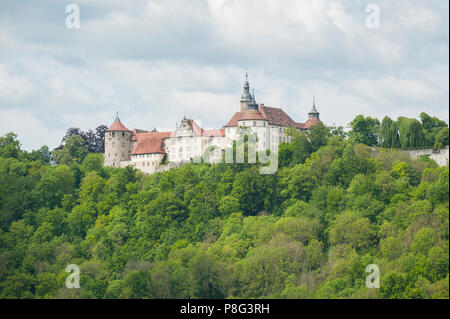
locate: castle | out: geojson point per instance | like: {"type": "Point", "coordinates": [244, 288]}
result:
{"type": "Point", "coordinates": [145, 150]}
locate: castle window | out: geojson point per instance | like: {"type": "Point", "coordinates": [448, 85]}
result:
{"type": "Point", "coordinates": [254, 123]}
{"type": "Point", "coordinates": [113, 134]}
{"type": "Point", "coordinates": [115, 154]}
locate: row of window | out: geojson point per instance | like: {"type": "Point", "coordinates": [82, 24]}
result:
{"type": "Point", "coordinates": [113, 134]}
{"type": "Point", "coordinates": [255, 123]}
{"type": "Point", "coordinates": [114, 144]}
{"type": "Point", "coordinates": [115, 155]}
{"type": "Point", "coordinates": [144, 164]}
{"type": "Point", "coordinates": [180, 149]}
{"type": "Point", "coordinates": [144, 155]}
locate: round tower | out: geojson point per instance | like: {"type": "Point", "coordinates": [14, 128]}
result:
{"type": "Point", "coordinates": [117, 144]}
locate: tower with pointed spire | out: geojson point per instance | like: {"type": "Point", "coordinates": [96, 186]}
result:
{"type": "Point", "coordinates": [253, 105]}
{"type": "Point", "coordinates": [313, 114]}
{"type": "Point", "coordinates": [246, 97]}
{"type": "Point", "coordinates": [117, 143]}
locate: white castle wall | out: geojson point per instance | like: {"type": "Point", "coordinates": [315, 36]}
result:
{"type": "Point", "coordinates": [440, 156]}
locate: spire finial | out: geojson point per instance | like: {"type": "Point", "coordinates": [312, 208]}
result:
{"type": "Point", "coordinates": [314, 101]}
{"type": "Point", "coordinates": [117, 116]}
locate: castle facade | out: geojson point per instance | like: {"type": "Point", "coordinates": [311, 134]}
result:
{"type": "Point", "coordinates": [146, 150]}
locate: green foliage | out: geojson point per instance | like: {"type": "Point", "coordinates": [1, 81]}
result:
{"type": "Point", "coordinates": [74, 151]}
{"type": "Point", "coordinates": [435, 131]}
{"type": "Point", "coordinates": [365, 130]}
{"type": "Point", "coordinates": [9, 146]}
{"type": "Point", "coordinates": [411, 134]}
{"type": "Point", "coordinates": [224, 230]}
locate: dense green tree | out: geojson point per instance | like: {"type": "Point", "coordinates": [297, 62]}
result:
{"type": "Point", "coordinates": [389, 133]}
{"type": "Point", "coordinates": [365, 130]}
{"type": "Point", "coordinates": [74, 151]}
{"type": "Point", "coordinates": [9, 146]}
{"type": "Point", "coordinates": [411, 133]}
{"type": "Point", "coordinates": [432, 127]}
{"type": "Point", "coordinates": [225, 231]}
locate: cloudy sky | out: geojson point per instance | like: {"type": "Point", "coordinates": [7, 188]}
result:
{"type": "Point", "coordinates": [156, 61]}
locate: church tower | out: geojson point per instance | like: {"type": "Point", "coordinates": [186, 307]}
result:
{"type": "Point", "coordinates": [246, 97]}
{"type": "Point", "coordinates": [253, 105]}
{"type": "Point", "coordinates": [117, 144]}
{"type": "Point", "coordinates": [313, 114]}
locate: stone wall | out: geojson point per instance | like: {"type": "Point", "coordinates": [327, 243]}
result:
{"type": "Point", "coordinates": [440, 156]}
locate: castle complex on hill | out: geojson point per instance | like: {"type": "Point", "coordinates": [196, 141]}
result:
{"type": "Point", "coordinates": [145, 150]}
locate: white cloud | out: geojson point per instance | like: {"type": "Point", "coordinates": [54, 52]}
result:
{"type": "Point", "coordinates": [32, 133]}
{"type": "Point", "coordinates": [13, 87]}
{"type": "Point", "coordinates": [154, 61]}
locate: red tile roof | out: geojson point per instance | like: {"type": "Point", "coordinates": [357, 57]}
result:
{"type": "Point", "coordinates": [311, 122]}
{"type": "Point", "coordinates": [245, 115]}
{"type": "Point", "coordinates": [276, 116]}
{"type": "Point", "coordinates": [136, 131]}
{"type": "Point", "coordinates": [212, 133]}
{"type": "Point", "coordinates": [300, 126]}
{"type": "Point", "coordinates": [198, 131]}
{"type": "Point", "coordinates": [273, 115]}
{"type": "Point", "coordinates": [118, 126]}
{"type": "Point", "coordinates": [150, 143]}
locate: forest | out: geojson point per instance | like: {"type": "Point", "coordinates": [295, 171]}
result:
{"type": "Point", "coordinates": [339, 201]}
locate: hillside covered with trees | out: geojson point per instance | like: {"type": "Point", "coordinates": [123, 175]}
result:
{"type": "Point", "coordinates": [335, 205]}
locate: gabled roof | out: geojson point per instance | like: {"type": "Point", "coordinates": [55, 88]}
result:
{"type": "Point", "coordinates": [150, 143]}
{"type": "Point", "coordinates": [118, 126]}
{"type": "Point", "coordinates": [136, 131]}
{"type": "Point", "coordinates": [273, 115]}
{"type": "Point", "coordinates": [198, 131]}
{"type": "Point", "coordinates": [276, 116]}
